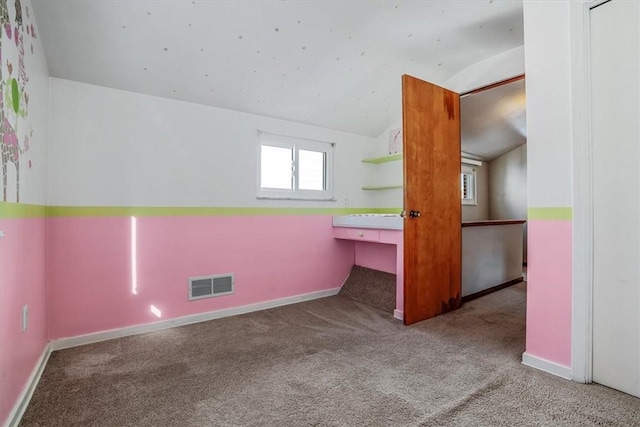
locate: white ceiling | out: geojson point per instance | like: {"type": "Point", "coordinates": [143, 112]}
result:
{"type": "Point", "coordinates": [493, 122]}
{"type": "Point", "coordinates": [335, 64]}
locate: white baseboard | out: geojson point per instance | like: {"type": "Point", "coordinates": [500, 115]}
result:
{"type": "Point", "coordinates": [398, 314]}
{"type": "Point", "coordinates": [25, 397]}
{"type": "Point", "coordinates": [547, 366]}
{"type": "Point", "coordinates": [63, 343]}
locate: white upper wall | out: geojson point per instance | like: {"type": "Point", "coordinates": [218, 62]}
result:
{"type": "Point", "coordinates": [548, 86]}
{"type": "Point", "coordinates": [115, 148]}
{"type": "Point", "coordinates": [508, 184]}
{"type": "Point", "coordinates": [385, 174]}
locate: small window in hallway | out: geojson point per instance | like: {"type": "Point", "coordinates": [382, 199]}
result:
{"type": "Point", "coordinates": [468, 185]}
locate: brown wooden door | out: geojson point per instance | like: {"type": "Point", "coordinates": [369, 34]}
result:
{"type": "Point", "coordinates": [432, 240]}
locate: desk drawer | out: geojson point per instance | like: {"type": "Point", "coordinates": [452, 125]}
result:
{"type": "Point", "coordinates": [363, 234]}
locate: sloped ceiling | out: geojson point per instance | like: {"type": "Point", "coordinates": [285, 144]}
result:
{"type": "Point", "coordinates": [335, 64]}
{"type": "Point", "coordinates": [493, 122]}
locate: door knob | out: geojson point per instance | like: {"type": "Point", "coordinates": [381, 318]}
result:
{"type": "Point", "coordinates": [414, 214]}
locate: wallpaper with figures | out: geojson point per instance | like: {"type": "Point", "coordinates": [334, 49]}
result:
{"type": "Point", "coordinates": [24, 111]}
{"type": "Point", "coordinates": [20, 53]}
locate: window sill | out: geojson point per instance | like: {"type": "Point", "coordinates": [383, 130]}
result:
{"type": "Point", "coordinates": [302, 199]}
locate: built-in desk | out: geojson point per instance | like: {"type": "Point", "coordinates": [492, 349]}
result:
{"type": "Point", "coordinates": [379, 245]}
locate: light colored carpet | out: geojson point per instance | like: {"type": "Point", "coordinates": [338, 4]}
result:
{"type": "Point", "coordinates": [329, 362]}
{"type": "Point", "coordinates": [371, 287]}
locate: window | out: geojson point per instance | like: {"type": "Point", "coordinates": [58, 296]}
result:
{"type": "Point", "coordinates": [468, 185]}
{"type": "Point", "coordinates": [294, 168]}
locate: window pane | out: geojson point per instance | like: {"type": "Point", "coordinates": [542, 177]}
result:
{"type": "Point", "coordinates": [465, 181]}
{"type": "Point", "coordinates": [466, 186]}
{"type": "Point", "coordinates": [311, 170]}
{"type": "Point", "coordinates": [275, 167]}
{"type": "Point", "coordinates": [463, 186]}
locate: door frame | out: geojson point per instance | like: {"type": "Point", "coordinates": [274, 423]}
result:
{"type": "Point", "coordinates": [583, 203]}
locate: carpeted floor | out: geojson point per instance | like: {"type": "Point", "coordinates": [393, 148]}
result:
{"type": "Point", "coordinates": [328, 362]}
{"type": "Point", "coordinates": [372, 287]}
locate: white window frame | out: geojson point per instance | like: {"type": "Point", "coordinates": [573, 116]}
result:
{"type": "Point", "coordinates": [472, 201]}
{"type": "Point", "coordinates": [296, 144]}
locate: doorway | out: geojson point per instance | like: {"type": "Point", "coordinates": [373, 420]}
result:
{"type": "Point", "coordinates": [432, 192]}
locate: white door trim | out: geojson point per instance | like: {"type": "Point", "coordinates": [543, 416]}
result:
{"type": "Point", "coordinates": [582, 298]}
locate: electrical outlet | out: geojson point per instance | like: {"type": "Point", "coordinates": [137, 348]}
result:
{"type": "Point", "coordinates": [346, 202]}
{"type": "Point", "coordinates": [25, 317]}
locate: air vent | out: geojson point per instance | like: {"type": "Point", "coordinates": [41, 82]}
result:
{"type": "Point", "coordinates": [210, 286]}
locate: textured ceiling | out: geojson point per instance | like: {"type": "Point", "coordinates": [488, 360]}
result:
{"type": "Point", "coordinates": [335, 64]}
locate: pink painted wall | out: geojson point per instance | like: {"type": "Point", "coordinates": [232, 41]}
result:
{"type": "Point", "coordinates": [377, 256]}
{"type": "Point", "coordinates": [549, 280]}
{"type": "Point", "coordinates": [90, 265]}
{"type": "Point", "coordinates": [22, 279]}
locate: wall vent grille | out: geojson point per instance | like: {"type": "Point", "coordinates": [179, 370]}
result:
{"type": "Point", "coordinates": [211, 286]}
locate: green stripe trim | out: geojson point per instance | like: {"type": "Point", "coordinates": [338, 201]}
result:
{"type": "Point", "coordinates": [386, 210]}
{"type": "Point", "coordinates": [22, 210]}
{"type": "Point", "coordinates": [565, 214]}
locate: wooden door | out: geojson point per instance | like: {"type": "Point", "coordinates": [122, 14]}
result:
{"type": "Point", "coordinates": [432, 240]}
{"type": "Point", "coordinates": [615, 100]}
